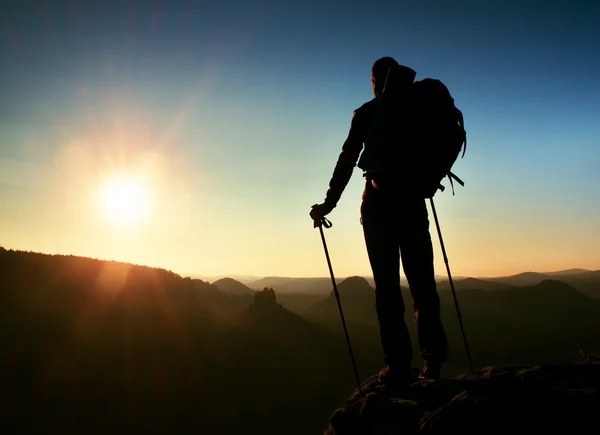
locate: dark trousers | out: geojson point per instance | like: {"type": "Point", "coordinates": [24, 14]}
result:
{"type": "Point", "coordinates": [397, 227]}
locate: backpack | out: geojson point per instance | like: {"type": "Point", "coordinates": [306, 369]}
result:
{"type": "Point", "coordinates": [437, 134]}
{"type": "Point", "coordinates": [425, 121]}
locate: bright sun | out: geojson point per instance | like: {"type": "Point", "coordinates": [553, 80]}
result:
{"type": "Point", "coordinates": [125, 200]}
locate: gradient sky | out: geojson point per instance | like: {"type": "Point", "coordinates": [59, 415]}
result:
{"type": "Point", "coordinates": [234, 113]}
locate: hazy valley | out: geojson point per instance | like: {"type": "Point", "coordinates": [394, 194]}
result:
{"type": "Point", "coordinates": [121, 348]}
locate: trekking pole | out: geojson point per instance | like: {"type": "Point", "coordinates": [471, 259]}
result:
{"type": "Point", "coordinates": [327, 224]}
{"type": "Point", "coordinates": [462, 329]}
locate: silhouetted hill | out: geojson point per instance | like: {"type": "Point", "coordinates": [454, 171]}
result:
{"type": "Point", "coordinates": [231, 286]}
{"type": "Point", "coordinates": [299, 303]}
{"type": "Point", "coordinates": [221, 305]}
{"type": "Point", "coordinates": [244, 279]}
{"type": "Point", "coordinates": [525, 278]}
{"type": "Point", "coordinates": [305, 286]}
{"type": "Point", "coordinates": [498, 400]}
{"type": "Point", "coordinates": [587, 283]}
{"type": "Point", "coordinates": [472, 284]}
{"type": "Point", "coordinates": [104, 347]}
{"type": "Point", "coordinates": [318, 285]}
{"type": "Point", "coordinates": [295, 285]}
{"type": "Point", "coordinates": [583, 275]}
{"type": "Point", "coordinates": [295, 302]}
{"type": "Point", "coordinates": [58, 284]}
{"type": "Point", "coordinates": [548, 322]}
{"type": "Point", "coordinates": [583, 280]}
{"type": "Point", "coordinates": [548, 298]}
{"type": "Point", "coordinates": [574, 271]}
{"type": "Point", "coordinates": [268, 316]}
{"type": "Point", "coordinates": [120, 348]}
{"type": "Point", "coordinates": [358, 302]}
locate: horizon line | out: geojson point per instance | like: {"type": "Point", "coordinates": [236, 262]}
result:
{"type": "Point", "coordinates": [252, 277]}
{"type": "Point", "coordinates": [573, 270]}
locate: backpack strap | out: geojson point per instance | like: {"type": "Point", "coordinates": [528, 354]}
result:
{"type": "Point", "coordinates": [461, 122]}
{"type": "Point", "coordinates": [451, 176]}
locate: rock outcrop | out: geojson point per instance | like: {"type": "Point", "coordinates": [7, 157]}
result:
{"type": "Point", "coordinates": [266, 316]}
{"type": "Point", "coordinates": [265, 297]}
{"type": "Point", "coordinates": [544, 399]}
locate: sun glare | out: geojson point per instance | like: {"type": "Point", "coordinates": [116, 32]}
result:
{"type": "Point", "coordinates": [125, 200]}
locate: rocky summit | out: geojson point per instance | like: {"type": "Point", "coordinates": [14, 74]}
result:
{"type": "Point", "coordinates": [543, 399]}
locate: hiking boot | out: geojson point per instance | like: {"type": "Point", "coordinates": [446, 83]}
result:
{"type": "Point", "coordinates": [394, 377]}
{"type": "Point", "coordinates": [431, 370]}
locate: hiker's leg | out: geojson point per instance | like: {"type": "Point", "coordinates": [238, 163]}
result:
{"type": "Point", "coordinates": [381, 237]}
{"type": "Point", "coordinates": [417, 260]}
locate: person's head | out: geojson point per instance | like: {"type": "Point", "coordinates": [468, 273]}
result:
{"type": "Point", "coordinates": [399, 75]}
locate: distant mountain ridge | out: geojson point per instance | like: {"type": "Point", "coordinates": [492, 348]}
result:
{"type": "Point", "coordinates": [233, 286]}
{"type": "Point", "coordinates": [583, 280]}
{"type": "Point", "coordinates": [244, 279]}
{"type": "Point", "coordinates": [100, 335]}
{"type": "Point", "coordinates": [573, 271]}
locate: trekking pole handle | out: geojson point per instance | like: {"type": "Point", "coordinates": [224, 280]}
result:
{"type": "Point", "coordinates": [324, 222]}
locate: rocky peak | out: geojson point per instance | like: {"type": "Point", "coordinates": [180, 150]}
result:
{"type": "Point", "coordinates": [557, 399]}
{"type": "Point", "coordinates": [265, 297]}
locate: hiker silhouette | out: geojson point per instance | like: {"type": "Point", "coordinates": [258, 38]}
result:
{"type": "Point", "coordinates": [396, 226]}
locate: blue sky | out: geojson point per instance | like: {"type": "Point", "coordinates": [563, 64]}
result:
{"type": "Point", "coordinates": [237, 113]}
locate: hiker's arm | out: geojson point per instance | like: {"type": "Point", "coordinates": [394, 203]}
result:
{"type": "Point", "coordinates": [346, 162]}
